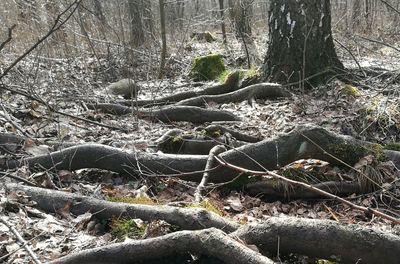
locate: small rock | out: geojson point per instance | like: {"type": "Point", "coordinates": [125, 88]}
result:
{"type": "Point", "coordinates": [125, 87]}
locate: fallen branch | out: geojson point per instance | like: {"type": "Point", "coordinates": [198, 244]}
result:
{"type": "Point", "coordinates": [186, 218]}
{"type": "Point", "coordinates": [21, 240]}
{"type": "Point", "coordinates": [322, 239]}
{"type": "Point", "coordinates": [210, 242]}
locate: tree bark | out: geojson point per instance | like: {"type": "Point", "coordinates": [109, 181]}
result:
{"type": "Point", "coordinates": [210, 242]}
{"type": "Point", "coordinates": [163, 40]}
{"type": "Point", "coordinates": [301, 44]}
{"type": "Point", "coordinates": [268, 154]}
{"type": "Point", "coordinates": [321, 238]}
{"type": "Point", "coordinates": [137, 36]}
{"type": "Point", "coordinates": [222, 17]}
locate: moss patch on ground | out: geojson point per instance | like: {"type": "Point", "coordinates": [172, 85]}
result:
{"type": "Point", "coordinates": [122, 228]}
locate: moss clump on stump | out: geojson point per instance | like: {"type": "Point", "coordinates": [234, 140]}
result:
{"type": "Point", "coordinates": [207, 68]}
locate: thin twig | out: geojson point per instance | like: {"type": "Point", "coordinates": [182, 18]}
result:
{"type": "Point", "coordinates": [352, 55]}
{"type": "Point", "coordinates": [22, 240]}
{"type": "Point", "coordinates": [390, 6]}
{"type": "Point", "coordinates": [15, 177]}
{"type": "Point", "coordinates": [2, 258]}
{"type": "Point", "coordinates": [9, 38]}
{"type": "Point", "coordinates": [56, 26]}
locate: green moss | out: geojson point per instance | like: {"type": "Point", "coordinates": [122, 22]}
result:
{"type": "Point", "coordinates": [132, 200]}
{"type": "Point", "coordinates": [122, 228]}
{"type": "Point", "coordinates": [377, 151]}
{"type": "Point", "coordinates": [211, 133]}
{"type": "Point", "coordinates": [324, 261]}
{"type": "Point", "coordinates": [252, 73]}
{"type": "Point", "coordinates": [351, 154]}
{"type": "Point", "coordinates": [392, 146]}
{"type": "Point", "coordinates": [177, 139]}
{"type": "Point", "coordinates": [208, 206]}
{"type": "Point", "coordinates": [348, 153]}
{"type": "Point", "coordinates": [350, 90]}
{"type": "Point", "coordinates": [224, 76]}
{"type": "Point", "coordinates": [207, 67]}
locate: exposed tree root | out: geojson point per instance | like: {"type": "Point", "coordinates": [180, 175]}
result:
{"type": "Point", "coordinates": [258, 91]}
{"type": "Point", "coordinates": [170, 113]}
{"type": "Point", "coordinates": [236, 134]}
{"type": "Point", "coordinates": [10, 143]}
{"type": "Point", "coordinates": [322, 238]}
{"type": "Point", "coordinates": [210, 164]}
{"type": "Point", "coordinates": [202, 140]}
{"type": "Point", "coordinates": [199, 143]}
{"type": "Point", "coordinates": [231, 84]}
{"type": "Point", "coordinates": [317, 238]}
{"type": "Point", "coordinates": [269, 188]}
{"type": "Point", "coordinates": [394, 156]}
{"type": "Point", "coordinates": [209, 242]}
{"type": "Point", "coordinates": [186, 218]}
{"type": "Point", "coordinates": [267, 154]}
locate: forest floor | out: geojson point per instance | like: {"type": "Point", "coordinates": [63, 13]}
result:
{"type": "Point", "coordinates": [366, 113]}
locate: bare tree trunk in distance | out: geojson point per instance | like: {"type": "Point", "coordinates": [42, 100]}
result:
{"type": "Point", "coordinates": [301, 44]}
{"type": "Point", "coordinates": [356, 15]}
{"type": "Point", "coordinates": [241, 12]}
{"type": "Point", "coordinates": [221, 11]}
{"type": "Point", "coordinates": [163, 39]}
{"type": "Point", "coordinates": [137, 37]}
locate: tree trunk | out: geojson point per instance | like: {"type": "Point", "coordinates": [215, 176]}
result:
{"type": "Point", "coordinates": [221, 11]}
{"type": "Point", "coordinates": [137, 37]}
{"type": "Point", "coordinates": [301, 44]}
{"type": "Point", "coordinates": [356, 15]}
{"type": "Point", "coordinates": [241, 12]}
{"type": "Point", "coordinates": [163, 40]}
